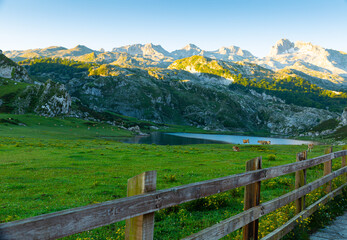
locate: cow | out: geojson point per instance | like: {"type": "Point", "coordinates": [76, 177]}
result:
{"type": "Point", "coordinates": [310, 147]}
{"type": "Point", "coordinates": [264, 142]}
{"type": "Point", "coordinates": [236, 149]}
{"type": "Point", "coordinates": [245, 140]}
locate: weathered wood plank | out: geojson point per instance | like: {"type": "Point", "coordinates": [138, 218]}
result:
{"type": "Point", "coordinates": [300, 180]}
{"type": "Point", "coordinates": [71, 221]}
{"type": "Point", "coordinates": [252, 199]}
{"type": "Point", "coordinates": [229, 225]}
{"type": "Point", "coordinates": [288, 226]}
{"type": "Point", "coordinates": [328, 168]}
{"type": "Point", "coordinates": [141, 227]}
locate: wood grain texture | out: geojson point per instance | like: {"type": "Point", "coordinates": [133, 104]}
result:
{"type": "Point", "coordinates": [300, 180]}
{"type": "Point", "coordinates": [252, 199]}
{"type": "Point", "coordinates": [328, 168]}
{"type": "Point", "coordinates": [67, 222]}
{"type": "Point", "coordinates": [141, 227]}
{"type": "Point", "coordinates": [288, 226]}
{"type": "Point", "coordinates": [229, 225]}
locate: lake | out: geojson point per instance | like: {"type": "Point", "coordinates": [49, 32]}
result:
{"type": "Point", "coordinates": [160, 138]}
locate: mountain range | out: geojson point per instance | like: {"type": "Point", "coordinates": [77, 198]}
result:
{"type": "Point", "coordinates": [324, 67]}
{"type": "Point", "coordinates": [226, 89]}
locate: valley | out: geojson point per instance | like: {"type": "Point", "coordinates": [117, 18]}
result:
{"type": "Point", "coordinates": [51, 165]}
{"type": "Point", "coordinates": [208, 93]}
{"type": "Point", "coordinates": [66, 117]}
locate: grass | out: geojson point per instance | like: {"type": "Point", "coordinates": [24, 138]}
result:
{"type": "Point", "coordinates": [11, 87]}
{"type": "Point", "coordinates": [37, 127]}
{"type": "Point", "coordinates": [326, 125]}
{"type": "Point", "coordinates": [51, 164]}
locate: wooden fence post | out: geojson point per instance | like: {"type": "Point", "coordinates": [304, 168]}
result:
{"type": "Point", "coordinates": [300, 180]}
{"type": "Point", "coordinates": [141, 227]}
{"type": "Point", "coordinates": [327, 168]}
{"type": "Point", "coordinates": [252, 199]}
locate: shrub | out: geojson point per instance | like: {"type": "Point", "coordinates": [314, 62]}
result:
{"type": "Point", "coordinates": [271, 157]}
{"type": "Point", "coordinates": [170, 178]}
{"type": "Point", "coordinates": [213, 202]}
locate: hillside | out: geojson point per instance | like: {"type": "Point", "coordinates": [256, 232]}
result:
{"type": "Point", "coordinates": [196, 91]}
{"type": "Point", "coordinates": [225, 69]}
{"type": "Point", "coordinates": [177, 96]}
{"type": "Point", "coordinates": [19, 94]}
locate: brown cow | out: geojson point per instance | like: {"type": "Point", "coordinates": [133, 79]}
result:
{"type": "Point", "coordinates": [264, 142]}
{"type": "Point", "coordinates": [310, 147]}
{"type": "Point", "coordinates": [236, 149]}
{"type": "Point", "coordinates": [245, 140]}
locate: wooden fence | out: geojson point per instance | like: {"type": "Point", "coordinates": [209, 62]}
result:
{"type": "Point", "coordinates": [143, 200]}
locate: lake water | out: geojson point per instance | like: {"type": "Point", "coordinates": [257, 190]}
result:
{"type": "Point", "coordinates": [160, 138]}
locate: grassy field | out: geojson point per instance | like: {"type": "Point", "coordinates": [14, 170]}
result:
{"type": "Point", "coordinates": [53, 164]}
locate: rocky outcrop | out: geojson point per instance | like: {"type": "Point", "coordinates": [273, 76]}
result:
{"type": "Point", "coordinates": [23, 96]}
{"type": "Point", "coordinates": [343, 118]}
{"type": "Point", "coordinates": [11, 70]}
{"type": "Point", "coordinates": [281, 47]}
{"type": "Point", "coordinates": [49, 99]}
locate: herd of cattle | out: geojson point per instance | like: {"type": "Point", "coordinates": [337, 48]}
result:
{"type": "Point", "coordinates": [237, 149]}
{"type": "Point", "coordinates": [260, 141]}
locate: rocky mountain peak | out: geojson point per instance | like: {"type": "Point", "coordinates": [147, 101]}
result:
{"type": "Point", "coordinates": [191, 46]}
{"type": "Point", "coordinates": [282, 46]}
{"type": "Point", "coordinates": [187, 51]}
{"type": "Point", "coordinates": [234, 50]}
{"type": "Point", "coordinates": [225, 50]}
{"type": "Point", "coordinates": [55, 48]}
{"type": "Point", "coordinates": [158, 48]}
{"type": "Point", "coordinates": [149, 45]}
{"type": "Point", "coordinates": [81, 47]}
{"type": "Point", "coordinates": [148, 50]}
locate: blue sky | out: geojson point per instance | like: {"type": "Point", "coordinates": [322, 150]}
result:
{"type": "Point", "coordinates": [254, 25]}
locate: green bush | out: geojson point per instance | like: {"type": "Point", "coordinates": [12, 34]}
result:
{"type": "Point", "coordinates": [271, 157]}
{"type": "Point", "coordinates": [170, 178]}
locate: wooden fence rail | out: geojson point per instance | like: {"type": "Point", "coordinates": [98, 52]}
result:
{"type": "Point", "coordinates": [287, 227]}
{"type": "Point", "coordinates": [71, 221]}
{"type": "Point", "coordinates": [231, 224]}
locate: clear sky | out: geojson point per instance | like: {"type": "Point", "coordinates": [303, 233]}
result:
{"type": "Point", "coordinates": [254, 25]}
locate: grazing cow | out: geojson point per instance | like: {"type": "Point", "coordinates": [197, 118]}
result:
{"type": "Point", "coordinates": [236, 149]}
{"type": "Point", "coordinates": [245, 140]}
{"type": "Point", "coordinates": [310, 147]}
{"type": "Point", "coordinates": [264, 142]}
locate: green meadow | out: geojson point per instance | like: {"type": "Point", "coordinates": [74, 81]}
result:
{"type": "Point", "coordinates": [52, 164]}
